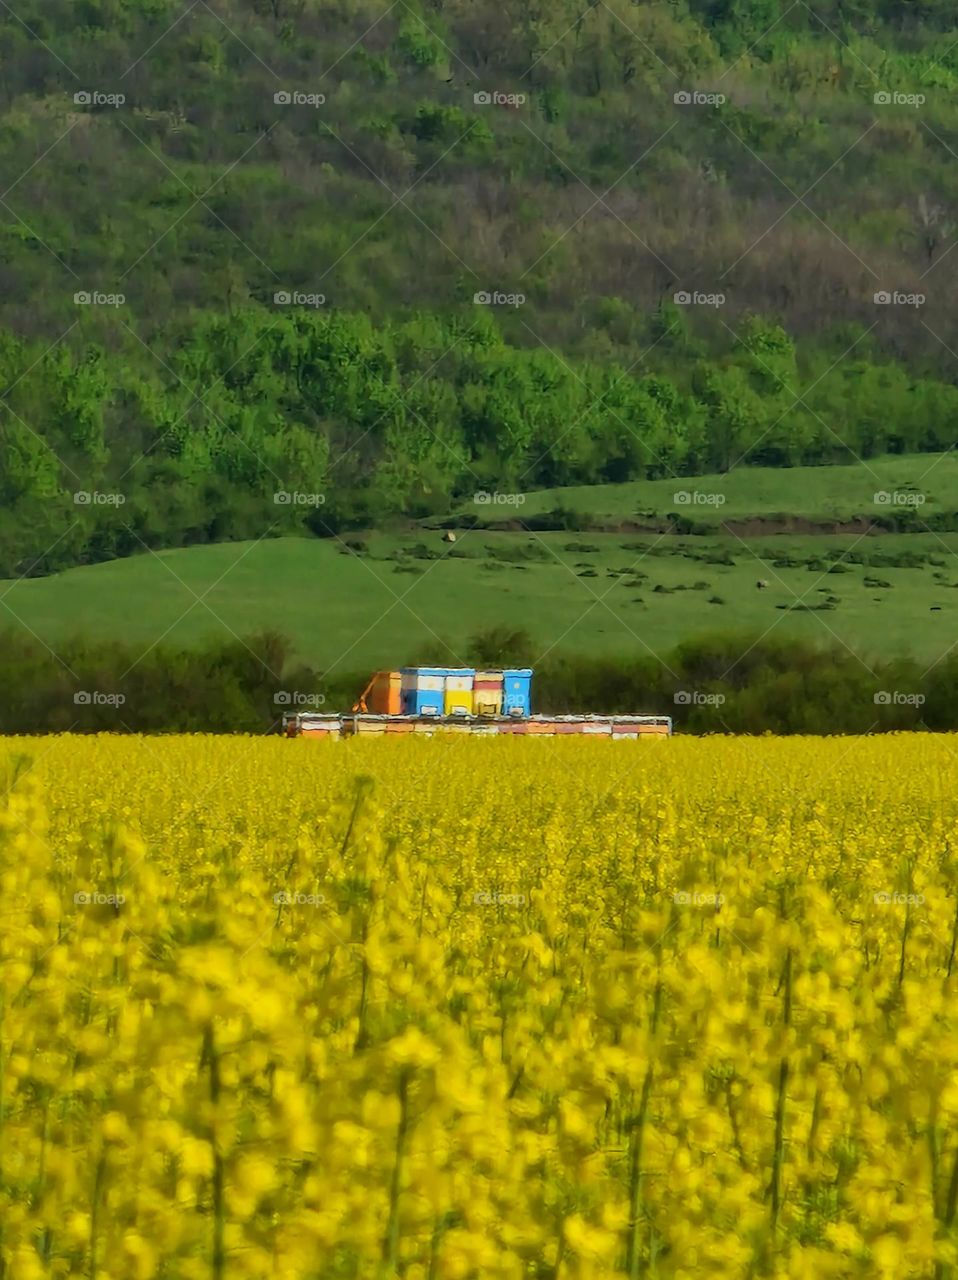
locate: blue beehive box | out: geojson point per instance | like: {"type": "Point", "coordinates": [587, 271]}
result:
{"type": "Point", "coordinates": [517, 692]}
{"type": "Point", "coordinates": [422, 690]}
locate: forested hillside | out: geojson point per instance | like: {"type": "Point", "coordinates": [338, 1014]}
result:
{"type": "Point", "coordinates": [241, 245]}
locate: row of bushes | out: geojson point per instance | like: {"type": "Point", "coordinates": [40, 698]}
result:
{"type": "Point", "coordinates": [738, 683]}
{"type": "Point", "coordinates": [721, 684]}
{"type": "Point", "coordinates": [111, 687]}
{"type": "Point", "coordinates": [733, 685]}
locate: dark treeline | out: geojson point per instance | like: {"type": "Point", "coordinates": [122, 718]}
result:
{"type": "Point", "coordinates": [149, 361]}
{"type": "Point", "coordinates": [90, 687]}
{"type": "Point", "coordinates": [717, 684]}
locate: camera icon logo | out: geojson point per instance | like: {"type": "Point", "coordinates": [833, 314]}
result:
{"type": "Point", "coordinates": [282, 698]}
{"type": "Point", "coordinates": [82, 498]}
{"type": "Point", "coordinates": [82, 299]}
{"type": "Point", "coordinates": [882, 498]}
{"type": "Point", "coordinates": [882, 298]}
{"type": "Point", "coordinates": [482, 299]}
{"type": "Point", "coordinates": [682, 498]}
{"type": "Point", "coordinates": [482, 497]}
{"type": "Point", "coordinates": [882, 98]}
{"type": "Point", "coordinates": [81, 899]}
{"type": "Point", "coordinates": [682, 299]}
{"type": "Point", "coordinates": [682, 98]}
{"type": "Point", "coordinates": [282, 98]}
{"type": "Point", "coordinates": [882, 699]}
{"type": "Point", "coordinates": [82, 699]}
{"type": "Point", "coordinates": [682, 698]}
{"type": "Point", "coordinates": [282, 899]}
{"type": "Point", "coordinates": [82, 98]}
{"type": "Point", "coordinates": [482, 99]}
{"type": "Point", "coordinates": [282, 298]}
{"type": "Point", "coordinates": [282, 498]}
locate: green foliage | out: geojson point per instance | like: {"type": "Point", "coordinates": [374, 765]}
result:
{"type": "Point", "coordinates": [764, 685]}
{"type": "Point", "coordinates": [502, 646]}
{"type": "Point", "coordinates": [454, 154]}
{"type": "Point", "coordinates": [219, 687]}
{"type": "Point", "coordinates": [417, 44]}
{"type": "Point", "coordinates": [742, 683]}
{"type": "Point", "coordinates": [356, 422]}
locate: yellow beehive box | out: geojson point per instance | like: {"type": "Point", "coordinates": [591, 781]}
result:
{"type": "Point", "coordinates": [457, 702]}
{"type": "Point", "coordinates": [458, 691]}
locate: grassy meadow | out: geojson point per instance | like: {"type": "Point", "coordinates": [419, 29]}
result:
{"type": "Point", "coordinates": [589, 593]}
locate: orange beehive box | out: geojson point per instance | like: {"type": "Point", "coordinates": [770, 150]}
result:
{"type": "Point", "coordinates": [385, 696]}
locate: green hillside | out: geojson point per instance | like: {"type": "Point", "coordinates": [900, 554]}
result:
{"type": "Point", "coordinates": [923, 487]}
{"type": "Point", "coordinates": [591, 594]}
{"type": "Point", "coordinates": [379, 258]}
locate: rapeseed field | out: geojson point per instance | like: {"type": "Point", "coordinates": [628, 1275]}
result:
{"type": "Point", "coordinates": [446, 1010]}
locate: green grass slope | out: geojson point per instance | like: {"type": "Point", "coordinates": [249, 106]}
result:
{"type": "Point", "coordinates": [878, 487]}
{"type": "Point", "coordinates": [601, 593]}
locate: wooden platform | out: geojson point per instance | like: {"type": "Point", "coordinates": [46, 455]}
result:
{"type": "Point", "coordinates": [312, 725]}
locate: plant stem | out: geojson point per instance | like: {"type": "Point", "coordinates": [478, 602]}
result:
{"type": "Point", "coordinates": [218, 1261]}
{"type": "Point", "coordinates": [391, 1238]}
{"type": "Point", "coordinates": [780, 1101]}
{"type": "Point", "coordinates": [635, 1178]}
{"type": "Point", "coordinates": [95, 1212]}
